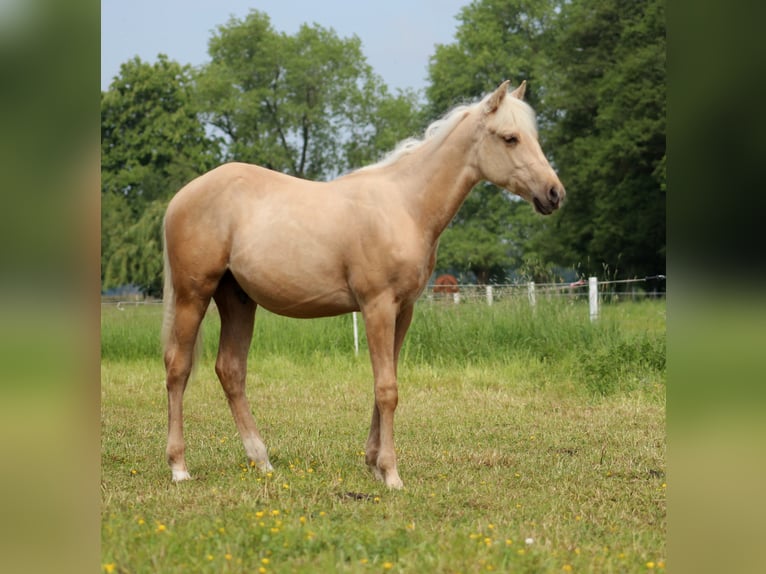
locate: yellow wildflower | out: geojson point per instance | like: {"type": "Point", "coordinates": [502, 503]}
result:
{"type": "Point", "coordinates": [387, 565]}
{"type": "Point", "coordinates": [109, 568]}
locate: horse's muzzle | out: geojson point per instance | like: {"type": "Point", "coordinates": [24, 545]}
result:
{"type": "Point", "coordinates": [553, 199]}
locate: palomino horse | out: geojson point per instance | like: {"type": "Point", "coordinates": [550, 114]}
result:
{"type": "Point", "coordinates": [247, 236]}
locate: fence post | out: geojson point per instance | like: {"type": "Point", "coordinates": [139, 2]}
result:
{"type": "Point", "coordinates": [356, 334]}
{"type": "Point", "coordinates": [489, 295]}
{"type": "Point", "coordinates": [456, 297]}
{"type": "Point", "coordinates": [531, 294]}
{"type": "Point", "coordinates": [593, 297]}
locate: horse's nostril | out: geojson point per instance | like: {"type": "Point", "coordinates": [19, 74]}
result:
{"type": "Point", "coordinates": [553, 195]}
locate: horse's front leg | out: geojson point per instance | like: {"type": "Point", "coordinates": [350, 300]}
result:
{"type": "Point", "coordinates": [385, 334]}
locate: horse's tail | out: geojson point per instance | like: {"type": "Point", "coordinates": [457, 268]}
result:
{"type": "Point", "coordinates": [169, 306]}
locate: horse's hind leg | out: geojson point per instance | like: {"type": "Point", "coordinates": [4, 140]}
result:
{"type": "Point", "coordinates": [179, 354]}
{"type": "Point", "coordinates": [237, 312]}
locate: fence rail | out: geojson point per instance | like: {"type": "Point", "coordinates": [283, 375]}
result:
{"type": "Point", "coordinates": [593, 289]}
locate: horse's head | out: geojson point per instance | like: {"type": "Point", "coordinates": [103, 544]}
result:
{"type": "Point", "coordinates": [509, 154]}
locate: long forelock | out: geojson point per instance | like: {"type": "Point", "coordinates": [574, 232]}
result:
{"type": "Point", "coordinates": [521, 114]}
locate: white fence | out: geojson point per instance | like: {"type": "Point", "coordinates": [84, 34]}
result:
{"type": "Point", "coordinates": [594, 289]}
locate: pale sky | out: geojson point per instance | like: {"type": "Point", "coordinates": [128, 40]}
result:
{"type": "Point", "coordinates": [398, 36]}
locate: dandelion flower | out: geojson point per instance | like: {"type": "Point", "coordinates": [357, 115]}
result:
{"type": "Point", "coordinates": [109, 568]}
{"type": "Point", "coordinates": [227, 556]}
{"type": "Point", "coordinates": [387, 565]}
{"type": "Point", "coordinates": [265, 561]}
{"type": "Point", "coordinates": [567, 567]}
{"type": "Point", "coordinates": [161, 527]}
{"type": "Point", "coordinates": [650, 565]}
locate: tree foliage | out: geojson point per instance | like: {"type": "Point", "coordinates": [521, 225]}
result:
{"type": "Point", "coordinates": [609, 140]}
{"type": "Point", "coordinates": [307, 104]}
{"type": "Point", "coordinates": [596, 73]}
{"type": "Point", "coordinates": [304, 104]}
{"type": "Point", "coordinates": [152, 140]}
{"type": "Point", "coordinates": [152, 143]}
{"type": "Point", "coordinates": [495, 40]}
{"type": "Point", "coordinates": [310, 105]}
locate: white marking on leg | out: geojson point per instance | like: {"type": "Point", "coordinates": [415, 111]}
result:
{"type": "Point", "coordinates": [179, 475]}
{"type": "Point", "coordinates": [256, 451]}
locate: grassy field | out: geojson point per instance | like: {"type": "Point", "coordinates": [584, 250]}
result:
{"type": "Point", "coordinates": [527, 442]}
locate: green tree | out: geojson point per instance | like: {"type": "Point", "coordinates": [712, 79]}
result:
{"type": "Point", "coordinates": [305, 104]}
{"type": "Point", "coordinates": [137, 257]}
{"type": "Point", "coordinates": [152, 143]}
{"type": "Point", "coordinates": [596, 72]}
{"type": "Point", "coordinates": [495, 40]}
{"type": "Point", "coordinates": [609, 137]}
{"type": "Point", "coordinates": [477, 240]}
{"type": "Point", "coordinates": [152, 138]}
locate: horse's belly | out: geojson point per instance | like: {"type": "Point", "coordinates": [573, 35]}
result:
{"type": "Point", "coordinates": [309, 297]}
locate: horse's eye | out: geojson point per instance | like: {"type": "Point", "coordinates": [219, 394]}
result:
{"type": "Point", "coordinates": [511, 139]}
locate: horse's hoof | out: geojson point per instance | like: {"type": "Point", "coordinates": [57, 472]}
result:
{"type": "Point", "coordinates": [395, 483]}
{"type": "Point", "coordinates": [179, 475]}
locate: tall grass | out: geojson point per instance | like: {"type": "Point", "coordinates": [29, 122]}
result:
{"type": "Point", "coordinates": [624, 347]}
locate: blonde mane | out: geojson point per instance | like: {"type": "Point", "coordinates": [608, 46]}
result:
{"type": "Point", "coordinates": [441, 128]}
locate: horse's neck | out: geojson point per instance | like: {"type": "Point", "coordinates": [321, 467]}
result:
{"type": "Point", "coordinates": [436, 178]}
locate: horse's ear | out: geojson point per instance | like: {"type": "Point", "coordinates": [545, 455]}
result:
{"type": "Point", "coordinates": [496, 98]}
{"type": "Point", "coordinates": [519, 92]}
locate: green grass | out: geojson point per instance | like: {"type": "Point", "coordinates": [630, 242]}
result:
{"type": "Point", "coordinates": [511, 425]}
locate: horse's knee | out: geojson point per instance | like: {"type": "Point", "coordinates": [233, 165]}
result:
{"type": "Point", "coordinates": [386, 396]}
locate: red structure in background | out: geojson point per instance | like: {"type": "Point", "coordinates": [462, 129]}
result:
{"type": "Point", "coordinates": [445, 284]}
